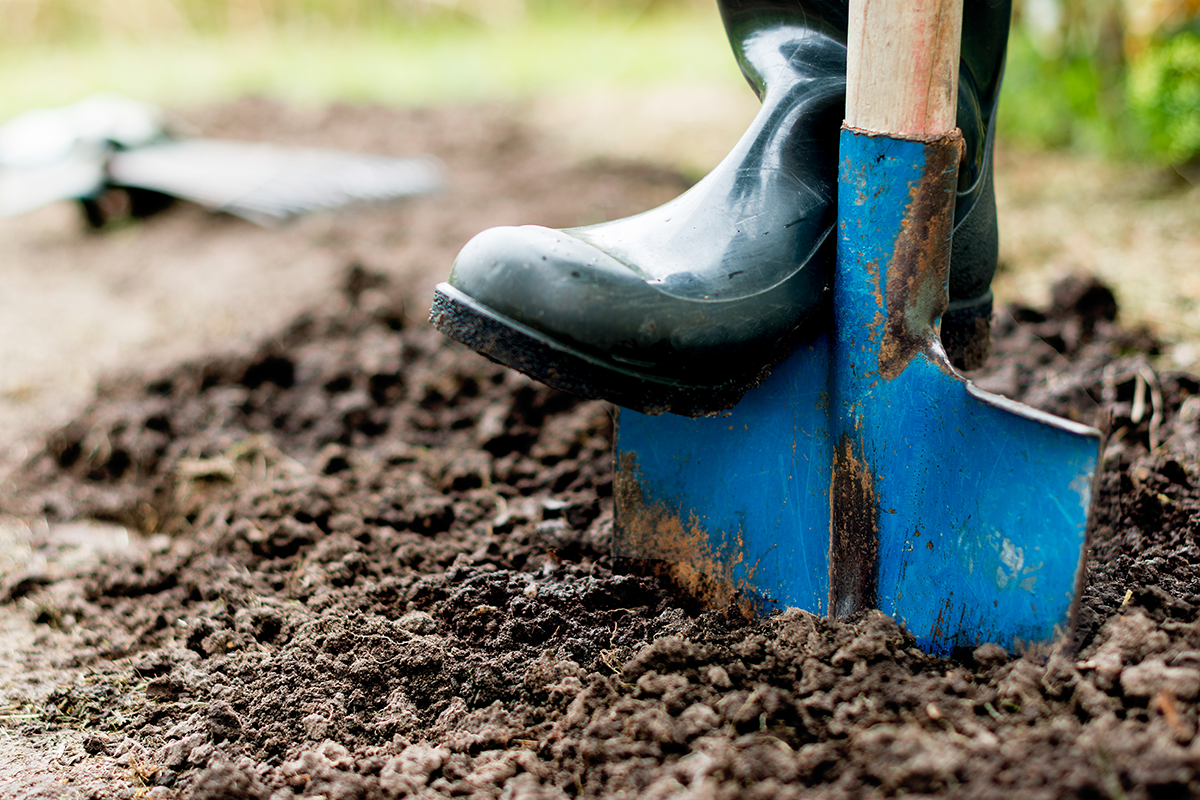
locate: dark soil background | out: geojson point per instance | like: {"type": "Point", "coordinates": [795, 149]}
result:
{"type": "Point", "coordinates": [370, 564]}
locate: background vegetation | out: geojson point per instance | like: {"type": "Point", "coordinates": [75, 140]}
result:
{"type": "Point", "coordinates": [1118, 77]}
{"type": "Point", "coordinates": [405, 52]}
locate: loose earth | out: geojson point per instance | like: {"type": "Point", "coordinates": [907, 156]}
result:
{"type": "Point", "coordinates": [366, 563]}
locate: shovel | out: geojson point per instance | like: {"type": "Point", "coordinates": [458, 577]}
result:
{"type": "Point", "coordinates": [865, 473]}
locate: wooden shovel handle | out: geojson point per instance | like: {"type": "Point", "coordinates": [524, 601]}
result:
{"type": "Point", "coordinates": [902, 66]}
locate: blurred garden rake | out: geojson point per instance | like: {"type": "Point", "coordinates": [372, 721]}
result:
{"type": "Point", "coordinates": [107, 143]}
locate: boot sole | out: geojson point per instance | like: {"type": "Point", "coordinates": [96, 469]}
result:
{"type": "Point", "coordinates": [965, 336]}
{"type": "Point", "coordinates": [513, 344]}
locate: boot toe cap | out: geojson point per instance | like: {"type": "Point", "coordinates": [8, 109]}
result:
{"type": "Point", "coordinates": [579, 296]}
{"type": "Point", "coordinates": [560, 286]}
{"type": "Point", "coordinates": [524, 272]}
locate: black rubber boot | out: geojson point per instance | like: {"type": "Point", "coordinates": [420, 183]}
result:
{"type": "Point", "coordinates": [685, 307]}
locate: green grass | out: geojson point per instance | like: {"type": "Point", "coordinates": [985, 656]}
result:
{"type": "Point", "coordinates": [398, 64]}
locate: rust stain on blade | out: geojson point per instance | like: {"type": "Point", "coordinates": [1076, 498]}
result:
{"type": "Point", "coordinates": [854, 555]}
{"type": "Point", "coordinates": [920, 263]}
{"type": "Point", "coordinates": [656, 533]}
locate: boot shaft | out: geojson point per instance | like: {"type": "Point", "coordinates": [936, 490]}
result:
{"type": "Point", "coordinates": [807, 38]}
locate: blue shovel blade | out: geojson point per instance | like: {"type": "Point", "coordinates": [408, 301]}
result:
{"type": "Point", "coordinates": [865, 473]}
{"type": "Point", "coordinates": [736, 505]}
{"type": "Point", "coordinates": [983, 505]}
{"type": "Point", "coordinates": [982, 512]}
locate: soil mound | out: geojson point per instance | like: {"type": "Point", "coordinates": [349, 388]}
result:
{"type": "Point", "coordinates": [373, 565]}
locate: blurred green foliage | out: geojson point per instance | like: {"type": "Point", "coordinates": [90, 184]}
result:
{"type": "Point", "coordinates": [1164, 94]}
{"type": "Point", "coordinates": [1057, 101]}
{"type": "Point", "coordinates": [1117, 77]}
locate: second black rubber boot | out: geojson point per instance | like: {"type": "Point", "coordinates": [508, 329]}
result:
{"type": "Point", "coordinates": [685, 307]}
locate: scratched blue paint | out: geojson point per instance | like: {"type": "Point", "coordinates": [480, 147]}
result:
{"type": "Point", "coordinates": [981, 504]}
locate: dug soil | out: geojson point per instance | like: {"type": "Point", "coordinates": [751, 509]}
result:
{"type": "Point", "coordinates": [352, 560]}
